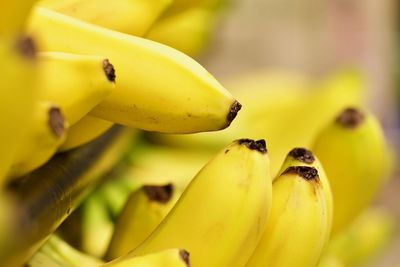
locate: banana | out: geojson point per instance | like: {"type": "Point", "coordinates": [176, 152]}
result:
{"type": "Point", "coordinates": [97, 226]}
{"type": "Point", "coordinates": [143, 212]}
{"type": "Point", "coordinates": [77, 83]}
{"type": "Point", "coordinates": [41, 259]}
{"type": "Point", "coordinates": [187, 31]}
{"type": "Point", "coordinates": [59, 251]}
{"type": "Point", "coordinates": [166, 258]}
{"type": "Point", "coordinates": [365, 238]}
{"type": "Point", "coordinates": [84, 131]}
{"type": "Point", "coordinates": [298, 227]}
{"type": "Point", "coordinates": [13, 16]}
{"type": "Point", "coordinates": [271, 98]}
{"type": "Point", "coordinates": [151, 76]}
{"type": "Point", "coordinates": [352, 150]}
{"type": "Point", "coordinates": [17, 94]}
{"type": "Point", "coordinates": [129, 16]}
{"type": "Point", "coordinates": [42, 141]}
{"type": "Point", "coordinates": [220, 216]}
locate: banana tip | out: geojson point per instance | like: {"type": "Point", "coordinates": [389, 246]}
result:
{"type": "Point", "coordinates": [233, 111]}
{"type": "Point", "coordinates": [302, 154]}
{"type": "Point", "coordinates": [258, 145]}
{"type": "Point", "coordinates": [56, 121]}
{"type": "Point", "coordinates": [109, 70]}
{"type": "Point", "coordinates": [350, 118]}
{"type": "Point", "coordinates": [161, 194]}
{"type": "Point", "coordinates": [308, 173]}
{"type": "Point", "coordinates": [185, 256]}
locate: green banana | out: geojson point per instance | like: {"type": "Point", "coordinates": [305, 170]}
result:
{"type": "Point", "coordinates": [140, 100]}
{"type": "Point", "coordinates": [298, 227]}
{"type": "Point", "coordinates": [220, 216]}
{"type": "Point", "coordinates": [166, 258]}
{"type": "Point", "coordinates": [143, 212]}
{"type": "Point", "coordinates": [352, 150]}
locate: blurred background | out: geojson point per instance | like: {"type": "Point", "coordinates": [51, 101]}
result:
{"type": "Point", "coordinates": [317, 37]}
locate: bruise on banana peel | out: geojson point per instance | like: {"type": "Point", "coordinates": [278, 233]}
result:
{"type": "Point", "coordinates": [26, 47]}
{"type": "Point", "coordinates": [56, 121]}
{"type": "Point", "coordinates": [161, 194]}
{"type": "Point", "coordinates": [308, 173]}
{"type": "Point", "coordinates": [302, 155]}
{"type": "Point", "coordinates": [258, 145]}
{"type": "Point", "coordinates": [185, 256]}
{"type": "Point", "coordinates": [109, 70]}
{"type": "Point", "coordinates": [350, 118]}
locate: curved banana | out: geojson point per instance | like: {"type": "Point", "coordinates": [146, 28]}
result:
{"type": "Point", "coordinates": [77, 83]}
{"type": "Point", "coordinates": [129, 16]}
{"type": "Point", "coordinates": [220, 216]}
{"type": "Point", "coordinates": [271, 98]}
{"type": "Point", "coordinates": [297, 229]}
{"type": "Point", "coordinates": [187, 31]}
{"type": "Point", "coordinates": [143, 212]}
{"type": "Point", "coordinates": [13, 16]}
{"type": "Point", "coordinates": [47, 132]}
{"type": "Point", "coordinates": [166, 258]}
{"type": "Point", "coordinates": [17, 94]}
{"type": "Point", "coordinates": [149, 94]}
{"type": "Point", "coordinates": [97, 226]}
{"type": "Point", "coordinates": [84, 131]}
{"type": "Point", "coordinates": [352, 150]}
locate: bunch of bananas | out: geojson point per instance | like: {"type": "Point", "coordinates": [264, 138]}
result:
{"type": "Point", "coordinates": [77, 67]}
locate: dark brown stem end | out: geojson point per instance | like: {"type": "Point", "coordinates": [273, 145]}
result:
{"type": "Point", "coordinates": [56, 121]}
{"type": "Point", "coordinates": [235, 107]}
{"type": "Point", "coordinates": [350, 118]}
{"type": "Point", "coordinates": [185, 256]}
{"type": "Point", "coordinates": [258, 145]}
{"type": "Point", "coordinates": [161, 194]}
{"type": "Point", "coordinates": [308, 173]}
{"type": "Point", "coordinates": [109, 70]}
{"type": "Point", "coordinates": [302, 154]}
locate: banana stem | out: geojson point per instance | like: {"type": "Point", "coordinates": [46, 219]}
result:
{"type": "Point", "coordinates": [45, 198]}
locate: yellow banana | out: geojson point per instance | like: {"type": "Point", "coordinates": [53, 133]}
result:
{"type": "Point", "coordinates": [41, 259]}
{"type": "Point", "coordinates": [271, 98]}
{"type": "Point", "coordinates": [77, 83]}
{"type": "Point", "coordinates": [97, 226]}
{"type": "Point", "coordinates": [187, 31]}
{"type": "Point", "coordinates": [84, 131]}
{"type": "Point", "coordinates": [297, 229]}
{"type": "Point", "coordinates": [365, 238]}
{"type": "Point", "coordinates": [17, 94]}
{"type": "Point", "coordinates": [352, 150]}
{"type": "Point", "coordinates": [166, 258]}
{"type": "Point", "coordinates": [220, 216]}
{"type": "Point", "coordinates": [149, 94]}
{"type": "Point", "coordinates": [128, 16]}
{"type": "Point", "coordinates": [143, 212]}
{"type": "Point", "coordinates": [59, 251]}
{"type": "Point", "coordinates": [13, 16]}
{"type": "Point", "coordinates": [42, 141]}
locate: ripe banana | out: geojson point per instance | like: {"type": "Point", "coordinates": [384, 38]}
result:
{"type": "Point", "coordinates": [143, 212]}
{"type": "Point", "coordinates": [220, 216]}
{"type": "Point", "coordinates": [352, 150]}
{"type": "Point", "coordinates": [151, 76]}
{"type": "Point", "coordinates": [13, 16]}
{"type": "Point", "coordinates": [129, 16]}
{"type": "Point", "coordinates": [17, 94]}
{"type": "Point", "coordinates": [48, 131]}
{"type": "Point", "coordinates": [77, 83]}
{"type": "Point", "coordinates": [297, 229]}
{"type": "Point", "coordinates": [84, 131]}
{"type": "Point", "coordinates": [166, 258]}
{"type": "Point", "coordinates": [59, 251]}
{"type": "Point", "coordinates": [187, 31]}
{"type": "Point", "coordinates": [97, 226]}
{"type": "Point", "coordinates": [271, 99]}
